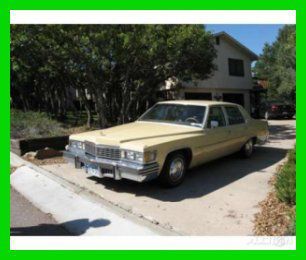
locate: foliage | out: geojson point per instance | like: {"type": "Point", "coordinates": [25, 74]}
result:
{"type": "Point", "coordinates": [277, 64]}
{"type": "Point", "coordinates": [33, 124]}
{"type": "Point", "coordinates": [286, 180]}
{"type": "Point", "coordinates": [119, 66]}
{"type": "Point", "coordinates": [292, 227]}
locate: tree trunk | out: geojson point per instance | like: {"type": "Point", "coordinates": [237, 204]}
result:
{"type": "Point", "coordinates": [100, 105]}
{"type": "Point", "coordinates": [87, 107]}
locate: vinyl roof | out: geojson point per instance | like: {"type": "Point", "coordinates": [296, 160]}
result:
{"type": "Point", "coordinates": [196, 102]}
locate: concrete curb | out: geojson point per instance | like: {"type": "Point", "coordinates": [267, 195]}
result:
{"type": "Point", "coordinates": [30, 180]}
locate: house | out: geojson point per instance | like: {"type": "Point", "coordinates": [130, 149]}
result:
{"type": "Point", "coordinates": [231, 81]}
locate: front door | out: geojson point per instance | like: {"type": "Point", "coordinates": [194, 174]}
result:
{"type": "Point", "coordinates": [216, 135]}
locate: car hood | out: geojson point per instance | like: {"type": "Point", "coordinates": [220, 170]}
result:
{"type": "Point", "coordinates": [134, 132]}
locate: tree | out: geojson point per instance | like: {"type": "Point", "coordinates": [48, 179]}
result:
{"type": "Point", "coordinates": [277, 64]}
{"type": "Point", "coordinates": [120, 66]}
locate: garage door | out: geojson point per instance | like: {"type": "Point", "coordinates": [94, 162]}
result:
{"type": "Point", "coordinates": [199, 96]}
{"type": "Point", "coordinates": [234, 98]}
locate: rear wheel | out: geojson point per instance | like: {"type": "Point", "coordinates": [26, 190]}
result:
{"type": "Point", "coordinates": [174, 170]}
{"type": "Point", "coordinates": [247, 149]}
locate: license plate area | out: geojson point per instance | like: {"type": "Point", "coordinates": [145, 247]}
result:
{"type": "Point", "coordinates": [93, 169]}
{"type": "Point", "coordinates": [107, 171]}
{"type": "Point", "coordinates": [100, 171]}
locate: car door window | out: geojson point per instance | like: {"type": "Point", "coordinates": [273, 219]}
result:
{"type": "Point", "coordinates": [216, 114]}
{"type": "Point", "coordinates": [234, 115]}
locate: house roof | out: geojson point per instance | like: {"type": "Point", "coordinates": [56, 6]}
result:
{"type": "Point", "coordinates": [235, 42]}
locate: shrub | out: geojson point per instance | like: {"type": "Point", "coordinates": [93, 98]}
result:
{"type": "Point", "coordinates": [292, 156]}
{"type": "Point", "coordinates": [286, 180]}
{"type": "Point", "coordinates": [33, 125]}
{"type": "Point", "coordinates": [292, 227]}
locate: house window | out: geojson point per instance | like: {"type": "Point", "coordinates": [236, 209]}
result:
{"type": "Point", "coordinates": [218, 40]}
{"type": "Point", "coordinates": [235, 67]}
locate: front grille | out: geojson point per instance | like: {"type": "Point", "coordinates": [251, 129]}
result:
{"type": "Point", "coordinates": [90, 148]}
{"type": "Point", "coordinates": [101, 151]}
{"type": "Point", "coordinates": [108, 152]}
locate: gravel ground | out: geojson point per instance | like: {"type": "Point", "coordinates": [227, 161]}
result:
{"type": "Point", "coordinates": [218, 198]}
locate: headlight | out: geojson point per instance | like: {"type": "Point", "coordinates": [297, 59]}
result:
{"type": "Point", "coordinates": [130, 155]}
{"type": "Point", "coordinates": [139, 157]}
{"type": "Point", "coordinates": [77, 145]}
{"type": "Point", "coordinates": [146, 157]}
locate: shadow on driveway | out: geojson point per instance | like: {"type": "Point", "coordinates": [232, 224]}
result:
{"type": "Point", "coordinates": [202, 180]}
{"type": "Point", "coordinates": [79, 225]}
{"type": "Point", "coordinates": [282, 132]}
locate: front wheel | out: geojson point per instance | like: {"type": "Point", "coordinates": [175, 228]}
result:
{"type": "Point", "coordinates": [174, 170]}
{"type": "Point", "coordinates": [247, 149]}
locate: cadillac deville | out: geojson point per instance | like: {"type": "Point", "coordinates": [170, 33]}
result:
{"type": "Point", "coordinates": [166, 140]}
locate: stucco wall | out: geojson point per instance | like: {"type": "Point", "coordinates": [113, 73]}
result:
{"type": "Point", "coordinates": [221, 77]}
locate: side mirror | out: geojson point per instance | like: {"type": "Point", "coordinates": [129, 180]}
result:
{"type": "Point", "coordinates": [214, 124]}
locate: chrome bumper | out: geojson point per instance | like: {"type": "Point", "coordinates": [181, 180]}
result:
{"type": "Point", "coordinates": [114, 169]}
{"type": "Point", "coordinates": [262, 139]}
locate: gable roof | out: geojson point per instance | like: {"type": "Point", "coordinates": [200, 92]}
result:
{"type": "Point", "coordinates": [235, 42]}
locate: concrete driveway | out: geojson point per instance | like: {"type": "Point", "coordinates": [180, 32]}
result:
{"type": "Point", "coordinates": [218, 198]}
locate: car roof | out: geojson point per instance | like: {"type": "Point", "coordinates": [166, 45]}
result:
{"type": "Point", "coordinates": [196, 102]}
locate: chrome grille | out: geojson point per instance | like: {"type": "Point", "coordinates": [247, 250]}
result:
{"type": "Point", "coordinates": [108, 152]}
{"type": "Point", "coordinates": [90, 148]}
{"type": "Point", "coordinates": [102, 151]}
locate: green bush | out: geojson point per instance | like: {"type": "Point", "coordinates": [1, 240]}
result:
{"type": "Point", "coordinates": [292, 156]}
{"type": "Point", "coordinates": [286, 180]}
{"type": "Point", "coordinates": [292, 227]}
{"type": "Point", "coordinates": [33, 125]}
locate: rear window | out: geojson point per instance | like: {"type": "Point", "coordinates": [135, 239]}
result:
{"type": "Point", "coordinates": [234, 115]}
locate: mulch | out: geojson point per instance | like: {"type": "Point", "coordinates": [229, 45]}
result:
{"type": "Point", "coordinates": [53, 160]}
{"type": "Point", "coordinates": [273, 218]}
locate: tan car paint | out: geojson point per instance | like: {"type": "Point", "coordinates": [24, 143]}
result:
{"type": "Point", "coordinates": [205, 144]}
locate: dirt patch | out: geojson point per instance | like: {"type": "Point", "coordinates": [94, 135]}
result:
{"type": "Point", "coordinates": [54, 160]}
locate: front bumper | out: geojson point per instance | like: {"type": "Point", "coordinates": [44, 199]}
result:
{"type": "Point", "coordinates": [262, 139]}
{"type": "Point", "coordinates": [114, 169]}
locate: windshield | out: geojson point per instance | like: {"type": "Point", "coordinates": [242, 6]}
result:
{"type": "Point", "coordinates": [176, 114]}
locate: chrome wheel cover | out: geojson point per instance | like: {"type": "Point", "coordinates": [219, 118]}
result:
{"type": "Point", "coordinates": [249, 147]}
{"type": "Point", "coordinates": [176, 170]}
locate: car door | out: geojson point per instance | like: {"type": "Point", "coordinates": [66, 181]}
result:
{"type": "Point", "coordinates": [216, 134]}
{"type": "Point", "coordinates": [237, 126]}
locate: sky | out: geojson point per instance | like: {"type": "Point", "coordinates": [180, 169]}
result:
{"type": "Point", "coordinates": [252, 36]}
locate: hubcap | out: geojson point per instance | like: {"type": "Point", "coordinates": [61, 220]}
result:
{"type": "Point", "coordinates": [176, 169]}
{"type": "Point", "coordinates": [249, 147]}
